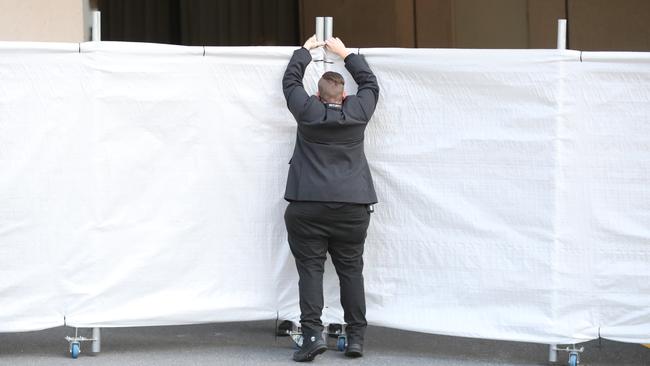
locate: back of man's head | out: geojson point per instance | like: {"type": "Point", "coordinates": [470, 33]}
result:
{"type": "Point", "coordinates": [330, 87]}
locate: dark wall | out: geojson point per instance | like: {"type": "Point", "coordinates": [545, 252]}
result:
{"type": "Point", "coordinates": [620, 25]}
{"type": "Point", "coordinates": [201, 22]}
{"type": "Point", "coordinates": [363, 23]}
{"type": "Point", "coordinates": [141, 20]}
{"type": "Point", "coordinates": [597, 25]}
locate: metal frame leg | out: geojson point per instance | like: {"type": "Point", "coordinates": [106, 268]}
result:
{"type": "Point", "coordinates": [97, 340]}
{"type": "Point", "coordinates": [573, 351]}
{"type": "Point", "coordinates": [552, 353]}
{"type": "Point", "coordinates": [75, 342]}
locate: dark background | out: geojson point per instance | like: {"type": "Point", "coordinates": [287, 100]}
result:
{"type": "Point", "coordinates": [621, 25]}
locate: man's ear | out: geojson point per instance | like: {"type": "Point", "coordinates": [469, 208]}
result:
{"type": "Point", "coordinates": [344, 95]}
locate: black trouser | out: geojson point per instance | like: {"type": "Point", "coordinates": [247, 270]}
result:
{"type": "Point", "coordinates": [314, 229]}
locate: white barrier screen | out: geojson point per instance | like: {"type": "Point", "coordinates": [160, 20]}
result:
{"type": "Point", "coordinates": [142, 185]}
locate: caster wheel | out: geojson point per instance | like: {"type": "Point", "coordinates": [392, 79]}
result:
{"type": "Point", "coordinates": [75, 349]}
{"type": "Point", "coordinates": [284, 328]}
{"type": "Point", "coordinates": [334, 330]}
{"type": "Point", "coordinates": [573, 359]}
{"type": "Point", "coordinates": [341, 343]}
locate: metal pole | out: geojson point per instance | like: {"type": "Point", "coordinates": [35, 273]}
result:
{"type": "Point", "coordinates": [320, 29]}
{"type": "Point", "coordinates": [97, 26]}
{"type": "Point", "coordinates": [329, 27]}
{"type": "Point", "coordinates": [561, 34]}
{"type": "Point", "coordinates": [97, 343]}
{"type": "Point", "coordinates": [552, 353]}
{"type": "Point", "coordinates": [561, 45]}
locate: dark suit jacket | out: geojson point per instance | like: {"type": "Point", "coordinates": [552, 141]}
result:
{"type": "Point", "coordinates": [328, 163]}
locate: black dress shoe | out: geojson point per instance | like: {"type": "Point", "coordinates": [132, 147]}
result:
{"type": "Point", "coordinates": [354, 350]}
{"type": "Point", "coordinates": [312, 346]}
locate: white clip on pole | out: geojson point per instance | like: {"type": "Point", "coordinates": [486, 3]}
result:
{"type": "Point", "coordinates": [96, 34]}
{"type": "Point", "coordinates": [561, 34]}
{"type": "Point", "coordinates": [320, 29]}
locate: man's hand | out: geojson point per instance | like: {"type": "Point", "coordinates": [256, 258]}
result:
{"type": "Point", "coordinates": [312, 43]}
{"type": "Point", "coordinates": [335, 45]}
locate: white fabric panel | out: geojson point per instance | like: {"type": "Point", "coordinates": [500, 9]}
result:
{"type": "Point", "coordinates": [463, 151]}
{"type": "Point", "coordinates": [41, 140]}
{"type": "Point", "coordinates": [176, 231]}
{"type": "Point", "coordinates": [142, 185]}
{"type": "Point", "coordinates": [605, 150]}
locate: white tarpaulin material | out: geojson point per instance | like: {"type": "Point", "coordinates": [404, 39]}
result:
{"type": "Point", "coordinates": [142, 184]}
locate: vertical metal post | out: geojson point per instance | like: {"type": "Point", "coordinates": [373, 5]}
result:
{"type": "Point", "coordinates": [561, 34]}
{"type": "Point", "coordinates": [320, 29]}
{"type": "Point", "coordinates": [561, 45]}
{"type": "Point", "coordinates": [96, 34]}
{"type": "Point", "coordinates": [552, 353]}
{"type": "Point", "coordinates": [329, 27]}
{"type": "Point", "coordinates": [97, 343]}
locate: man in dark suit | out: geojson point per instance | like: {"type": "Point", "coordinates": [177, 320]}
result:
{"type": "Point", "coordinates": [330, 191]}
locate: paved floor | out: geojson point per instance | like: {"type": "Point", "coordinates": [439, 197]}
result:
{"type": "Point", "coordinates": [254, 343]}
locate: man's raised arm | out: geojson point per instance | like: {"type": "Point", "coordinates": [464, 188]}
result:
{"type": "Point", "coordinates": [368, 92]}
{"type": "Point", "coordinates": [294, 92]}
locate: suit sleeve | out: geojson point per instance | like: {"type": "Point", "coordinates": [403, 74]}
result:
{"type": "Point", "coordinates": [368, 92]}
{"type": "Point", "coordinates": [294, 92]}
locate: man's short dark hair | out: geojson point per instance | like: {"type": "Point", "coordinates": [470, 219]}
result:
{"type": "Point", "coordinates": [330, 87]}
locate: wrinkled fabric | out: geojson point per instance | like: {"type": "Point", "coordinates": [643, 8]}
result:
{"type": "Point", "coordinates": [143, 184]}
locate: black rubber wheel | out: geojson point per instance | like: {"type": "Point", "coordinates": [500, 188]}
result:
{"type": "Point", "coordinates": [334, 330]}
{"type": "Point", "coordinates": [284, 328]}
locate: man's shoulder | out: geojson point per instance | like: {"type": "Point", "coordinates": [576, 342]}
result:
{"type": "Point", "coordinates": [313, 109]}
{"type": "Point", "coordinates": [352, 108]}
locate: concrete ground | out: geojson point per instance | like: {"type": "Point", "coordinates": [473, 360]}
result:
{"type": "Point", "coordinates": [254, 343]}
